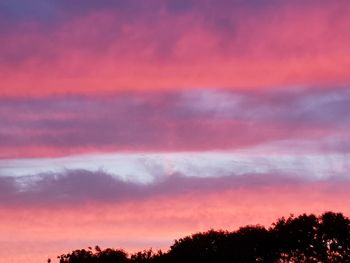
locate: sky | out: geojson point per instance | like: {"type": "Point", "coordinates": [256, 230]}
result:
{"type": "Point", "coordinates": [130, 124]}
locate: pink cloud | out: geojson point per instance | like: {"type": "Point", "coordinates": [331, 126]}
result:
{"type": "Point", "coordinates": [225, 46]}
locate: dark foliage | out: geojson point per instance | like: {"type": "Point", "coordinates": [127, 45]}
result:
{"type": "Point", "coordinates": [305, 238]}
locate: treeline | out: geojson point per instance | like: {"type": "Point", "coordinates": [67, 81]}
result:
{"type": "Point", "coordinates": [306, 238]}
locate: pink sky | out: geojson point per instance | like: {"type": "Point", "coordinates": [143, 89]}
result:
{"type": "Point", "coordinates": [137, 224]}
{"type": "Point", "coordinates": [128, 124]}
{"type": "Point", "coordinates": [229, 44]}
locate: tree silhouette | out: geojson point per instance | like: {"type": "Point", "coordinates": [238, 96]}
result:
{"type": "Point", "coordinates": [147, 256]}
{"type": "Point", "coordinates": [201, 247]}
{"type": "Point", "coordinates": [295, 238]}
{"type": "Point", "coordinates": [99, 256]}
{"type": "Point", "coordinates": [334, 237]}
{"type": "Point", "coordinates": [305, 238]}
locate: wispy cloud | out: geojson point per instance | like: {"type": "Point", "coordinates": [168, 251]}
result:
{"type": "Point", "coordinates": [175, 121]}
{"type": "Point", "coordinates": [69, 187]}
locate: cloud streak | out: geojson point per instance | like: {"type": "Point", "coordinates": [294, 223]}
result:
{"type": "Point", "coordinates": [74, 187]}
{"type": "Point", "coordinates": [174, 121]}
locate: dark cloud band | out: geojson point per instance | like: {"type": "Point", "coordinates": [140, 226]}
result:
{"type": "Point", "coordinates": [81, 186]}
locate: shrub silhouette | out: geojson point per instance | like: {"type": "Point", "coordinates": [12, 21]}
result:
{"type": "Point", "coordinates": [305, 238]}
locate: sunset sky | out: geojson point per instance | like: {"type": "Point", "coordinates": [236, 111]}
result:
{"type": "Point", "coordinates": [129, 123]}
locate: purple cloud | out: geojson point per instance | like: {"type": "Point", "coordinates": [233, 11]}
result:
{"type": "Point", "coordinates": [76, 186]}
{"type": "Point", "coordinates": [41, 26]}
{"type": "Point", "coordinates": [185, 120]}
{"type": "Point", "coordinates": [80, 186]}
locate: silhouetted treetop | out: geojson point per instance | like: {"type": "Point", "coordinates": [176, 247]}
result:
{"type": "Point", "coordinates": [305, 238]}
